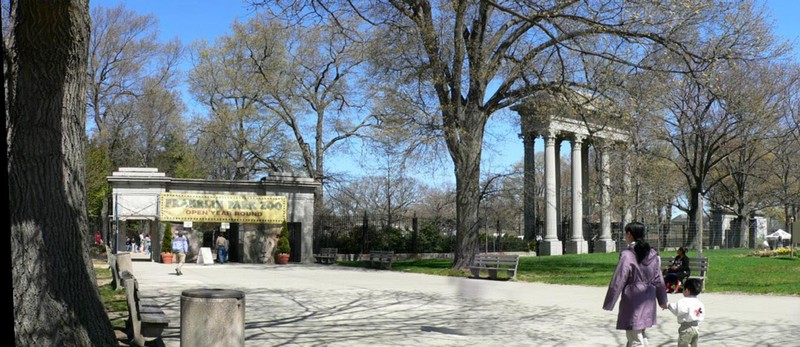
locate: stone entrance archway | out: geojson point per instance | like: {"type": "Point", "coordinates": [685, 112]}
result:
{"type": "Point", "coordinates": [136, 193]}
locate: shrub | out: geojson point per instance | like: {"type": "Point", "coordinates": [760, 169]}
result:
{"type": "Point", "coordinates": [166, 243]}
{"type": "Point", "coordinates": [283, 244]}
{"type": "Point", "coordinates": [771, 253]}
{"type": "Point", "coordinates": [283, 241]}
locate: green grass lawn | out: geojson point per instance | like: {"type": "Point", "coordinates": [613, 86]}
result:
{"type": "Point", "coordinates": [730, 270]}
{"type": "Point", "coordinates": [114, 300]}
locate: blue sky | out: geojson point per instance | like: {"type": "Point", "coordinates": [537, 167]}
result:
{"type": "Point", "coordinates": [192, 20]}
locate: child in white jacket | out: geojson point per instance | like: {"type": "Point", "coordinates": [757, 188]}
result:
{"type": "Point", "coordinates": [690, 312]}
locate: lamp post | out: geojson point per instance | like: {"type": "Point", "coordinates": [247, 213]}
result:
{"type": "Point", "coordinates": [792, 228]}
{"type": "Point", "coordinates": [700, 223]}
{"type": "Point", "coordinates": [116, 223]}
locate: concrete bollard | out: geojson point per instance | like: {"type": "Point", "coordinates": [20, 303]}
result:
{"type": "Point", "coordinates": [212, 317]}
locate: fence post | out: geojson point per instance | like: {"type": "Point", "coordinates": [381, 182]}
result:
{"type": "Point", "coordinates": [499, 246]}
{"type": "Point", "coordinates": [414, 235]}
{"type": "Point", "coordinates": [364, 232]}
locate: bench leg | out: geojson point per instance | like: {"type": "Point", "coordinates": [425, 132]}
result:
{"type": "Point", "coordinates": [493, 274]}
{"type": "Point", "coordinates": [475, 272]}
{"type": "Point", "coordinates": [138, 340]}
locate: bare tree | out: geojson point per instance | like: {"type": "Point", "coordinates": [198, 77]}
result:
{"type": "Point", "coordinates": [56, 301]}
{"type": "Point", "coordinates": [311, 82]}
{"type": "Point", "coordinates": [465, 60]}
{"type": "Point", "coordinates": [129, 70]}
{"type": "Point", "coordinates": [238, 137]}
{"type": "Point", "coordinates": [701, 122]}
{"type": "Point", "coordinates": [784, 175]}
{"type": "Point", "coordinates": [123, 52]}
{"type": "Point", "coordinates": [388, 196]}
{"type": "Point", "coordinates": [755, 97]}
{"type": "Point", "coordinates": [502, 198]}
{"type": "Point", "coordinates": [319, 92]}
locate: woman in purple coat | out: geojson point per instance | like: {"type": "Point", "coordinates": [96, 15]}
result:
{"type": "Point", "coordinates": [638, 279]}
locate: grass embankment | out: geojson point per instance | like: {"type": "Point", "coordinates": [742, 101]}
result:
{"type": "Point", "coordinates": [730, 270]}
{"type": "Point", "coordinates": [114, 300]}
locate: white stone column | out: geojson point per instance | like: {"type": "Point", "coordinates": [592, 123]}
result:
{"type": "Point", "coordinates": [627, 214]}
{"type": "Point", "coordinates": [550, 245]}
{"type": "Point", "coordinates": [560, 233]}
{"type": "Point", "coordinates": [626, 181]}
{"type": "Point", "coordinates": [588, 204]}
{"type": "Point", "coordinates": [604, 243]}
{"type": "Point", "coordinates": [576, 243]}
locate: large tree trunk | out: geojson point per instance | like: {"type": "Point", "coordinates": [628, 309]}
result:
{"type": "Point", "coordinates": [56, 302]}
{"type": "Point", "coordinates": [318, 173]}
{"type": "Point", "coordinates": [695, 216]}
{"type": "Point", "coordinates": [466, 155]}
{"type": "Point", "coordinates": [744, 231]}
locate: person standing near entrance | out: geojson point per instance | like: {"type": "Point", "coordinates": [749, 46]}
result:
{"type": "Point", "coordinates": [639, 281]}
{"type": "Point", "coordinates": [222, 248]}
{"type": "Point", "coordinates": [180, 245]}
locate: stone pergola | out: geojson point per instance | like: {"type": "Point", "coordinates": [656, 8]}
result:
{"type": "Point", "coordinates": [555, 119]}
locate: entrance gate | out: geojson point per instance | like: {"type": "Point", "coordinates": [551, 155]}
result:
{"type": "Point", "coordinates": [138, 192]}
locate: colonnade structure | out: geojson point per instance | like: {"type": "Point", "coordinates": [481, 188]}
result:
{"type": "Point", "coordinates": [557, 118]}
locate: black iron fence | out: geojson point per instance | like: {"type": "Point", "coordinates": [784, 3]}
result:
{"type": "Point", "coordinates": [403, 234]}
{"type": "Point", "coordinates": [360, 234]}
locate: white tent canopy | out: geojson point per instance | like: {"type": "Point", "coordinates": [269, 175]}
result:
{"type": "Point", "coordinates": [779, 233]}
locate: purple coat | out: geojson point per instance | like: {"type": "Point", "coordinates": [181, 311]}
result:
{"type": "Point", "coordinates": [639, 284]}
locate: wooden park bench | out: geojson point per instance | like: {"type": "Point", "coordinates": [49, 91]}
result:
{"type": "Point", "coordinates": [146, 320]}
{"type": "Point", "coordinates": [698, 268]}
{"type": "Point", "coordinates": [492, 263]}
{"type": "Point", "coordinates": [381, 259]}
{"type": "Point", "coordinates": [326, 256]}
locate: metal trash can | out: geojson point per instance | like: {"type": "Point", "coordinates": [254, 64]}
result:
{"type": "Point", "coordinates": [212, 317]}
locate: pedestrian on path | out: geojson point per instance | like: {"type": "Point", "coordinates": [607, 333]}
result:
{"type": "Point", "coordinates": [639, 281]}
{"type": "Point", "coordinates": [690, 312]}
{"type": "Point", "coordinates": [222, 248]}
{"type": "Point", "coordinates": [180, 246]}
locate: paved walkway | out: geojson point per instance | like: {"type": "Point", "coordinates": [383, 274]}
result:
{"type": "Point", "coordinates": [319, 305]}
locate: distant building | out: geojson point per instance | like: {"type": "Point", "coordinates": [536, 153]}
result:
{"type": "Point", "coordinates": [720, 228]}
{"type": "Point", "coordinates": [724, 229]}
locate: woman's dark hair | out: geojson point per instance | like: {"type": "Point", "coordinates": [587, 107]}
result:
{"type": "Point", "coordinates": [641, 248]}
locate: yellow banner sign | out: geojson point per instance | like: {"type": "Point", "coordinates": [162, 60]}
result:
{"type": "Point", "coordinates": [176, 207]}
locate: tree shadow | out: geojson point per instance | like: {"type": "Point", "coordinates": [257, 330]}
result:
{"type": "Point", "coordinates": [351, 316]}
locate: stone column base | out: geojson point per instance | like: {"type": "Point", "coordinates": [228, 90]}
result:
{"type": "Point", "coordinates": [577, 247]}
{"type": "Point", "coordinates": [550, 247]}
{"type": "Point", "coordinates": [605, 246]}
